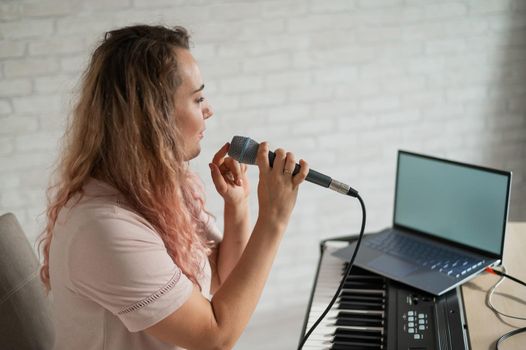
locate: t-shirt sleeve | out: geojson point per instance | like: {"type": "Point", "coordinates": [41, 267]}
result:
{"type": "Point", "coordinates": [122, 264]}
{"type": "Point", "coordinates": [213, 233]}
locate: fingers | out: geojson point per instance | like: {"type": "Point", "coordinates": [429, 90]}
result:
{"type": "Point", "coordinates": [284, 164]}
{"type": "Point", "coordinates": [217, 178]}
{"type": "Point", "coordinates": [228, 167]}
{"type": "Point", "coordinates": [300, 177]}
{"type": "Point", "coordinates": [279, 161]}
{"type": "Point", "coordinates": [290, 164]}
{"type": "Point", "coordinates": [221, 154]}
{"type": "Point", "coordinates": [232, 169]}
{"type": "Point", "coordinates": [262, 157]}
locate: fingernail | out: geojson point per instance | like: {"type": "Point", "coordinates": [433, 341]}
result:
{"type": "Point", "coordinates": [239, 182]}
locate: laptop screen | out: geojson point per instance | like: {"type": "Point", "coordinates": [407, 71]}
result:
{"type": "Point", "coordinates": [454, 201]}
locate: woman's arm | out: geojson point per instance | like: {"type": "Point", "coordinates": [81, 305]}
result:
{"type": "Point", "coordinates": [227, 253]}
{"type": "Point", "coordinates": [232, 184]}
{"type": "Point", "coordinates": [217, 324]}
{"type": "Point", "coordinates": [235, 238]}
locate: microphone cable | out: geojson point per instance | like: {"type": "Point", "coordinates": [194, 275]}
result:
{"type": "Point", "coordinates": [489, 303]}
{"type": "Point", "coordinates": [509, 335]}
{"type": "Point", "coordinates": [490, 293]}
{"type": "Point", "coordinates": [346, 275]}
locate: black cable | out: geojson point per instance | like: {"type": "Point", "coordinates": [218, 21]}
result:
{"type": "Point", "coordinates": [491, 291]}
{"type": "Point", "coordinates": [515, 331]}
{"type": "Point", "coordinates": [509, 335]}
{"type": "Point", "coordinates": [500, 273]}
{"type": "Point", "coordinates": [347, 272]}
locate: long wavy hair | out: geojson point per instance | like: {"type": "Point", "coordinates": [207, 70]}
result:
{"type": "Point", "coordinates": [123, 132]}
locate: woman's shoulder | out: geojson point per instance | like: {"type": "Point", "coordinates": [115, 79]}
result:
{"type": "Point", "coordinates": [101, 213]}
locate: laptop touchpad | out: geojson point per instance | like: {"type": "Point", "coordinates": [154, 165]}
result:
{"type": "Point", "coordinates": [392, 266]}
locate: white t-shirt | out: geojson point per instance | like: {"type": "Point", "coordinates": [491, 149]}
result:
{"type": "Point", "coordinates": [111, 276]}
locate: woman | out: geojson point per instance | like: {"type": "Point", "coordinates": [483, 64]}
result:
{"type": "Point", "coordinates": [130, 256]}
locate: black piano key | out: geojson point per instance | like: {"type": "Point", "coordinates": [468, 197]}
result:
{"type": "Point", "coordinates": [360, 305]}
{"type": "Point", "coordinates": [359, 320]}
{"type": "Point", "coordinates": [352, 283]}
{"type": "Point", "coordinates": [365, 276]}
{"type": "Point", "coordinates": [344, 345]}
{"type": "Point", "coordinates": [348, 295]}
{"type": "Point", "coordinates": [370, 336]}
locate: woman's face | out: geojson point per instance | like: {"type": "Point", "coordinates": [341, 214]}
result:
{"type": "Point", "coordinates": [191, 108]}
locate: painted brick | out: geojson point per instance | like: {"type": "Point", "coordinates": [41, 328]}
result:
{"type": "Point", "coordinates": [14, 125]}
{"type": "Point", "coordinates": [289, 113]}
{"type": "Point", "coordinates": [27, 28]}
{"type": "Point", "coordinates": [489, 6]}
{"type": "Point", "coordinates": [235, 11]}
{"type": "Point", "coordinates": [38, 104]}
{"type": "Point", "coordinates": [378, 4]}
{"type": "Point", "coordinates": [57, 46]}
{"type": "Point", "coordinates": [156, 3]}
{"type": "Point", "coordinates": [260, 99]}
{"type": "Point", "coordinates": [442, 10]}
{"type": "Point", "coordinates": [15, 87]}
{"type": "Point", "coordinates": [30, 67]}
{"type": "Point", "coordinates": [48, 8]}
{"type": "Point", "coordinates": [74, 64]}
{"type": "Point", "coordinates": [287, 79]}
{"type": "Point", "coordinates": [380, 103]}
{"type": "Point", "coordinates": [333, 6]}
{"type": "Point", "coordinates": [10, 11]}
{"type": "Point", "coordinates": [103, 5]}
{"type": "Point", "coordinates": [445, 46]}
{"type": "Point", "coordinates": [58, 83]}
{"type": "Point", "coordinates": [241, 84]}
{"type": "Point", "coordinates": [9, 48]}
{"type": "Point", "coordinates": [284, 9]}
{"type": "Point", "coordinates": [35, 142]}
{"type": "Point", "coordinates": [5, 107]}
{"type": "Point", "coordinates": [82, 25]}
{"type": "Point", "coordinates": [9, 180]}
{"type": "Point", "coordinates": [267, 63]}
{"type": "Point", "coordinates": [6, 147]}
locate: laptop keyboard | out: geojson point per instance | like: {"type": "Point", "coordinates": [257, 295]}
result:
{"type": "Point", "coordinates": [428, 255]}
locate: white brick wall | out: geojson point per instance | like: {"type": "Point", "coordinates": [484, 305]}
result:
{"type": "Point", "coordinates": [342, 83]}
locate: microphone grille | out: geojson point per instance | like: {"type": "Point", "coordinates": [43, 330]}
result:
{"type": "Point", "coordinates": [243, 149]}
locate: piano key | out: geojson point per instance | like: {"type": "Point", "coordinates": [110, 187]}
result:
{"type": "Point", "coordinates": [351, 345]}
{"type": "Point", "coordinates": [356, 317]}
{"type": "Point", "coordinates": [352, 334]}
{"type": "Point", "coordinates": [361, 296]}
{"type": "Point", "coordinates": [359, 318]}
{"type": "Point", "coordinates": [347, 319]}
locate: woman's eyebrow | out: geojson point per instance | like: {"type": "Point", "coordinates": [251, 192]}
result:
{"type": "Point", "coordinates": [200, 88]}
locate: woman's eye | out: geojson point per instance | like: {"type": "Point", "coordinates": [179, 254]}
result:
{"type": "Point", "coordinates": [200, 99]}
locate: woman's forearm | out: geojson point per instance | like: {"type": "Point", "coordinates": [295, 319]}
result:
{"type": "Point", "coordinates": [235, 301]}
{"type": "Point", "coordinates": [235, 238]}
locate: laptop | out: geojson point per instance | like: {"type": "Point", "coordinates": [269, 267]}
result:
{"type": "Point", "coordinates": [449, 224]}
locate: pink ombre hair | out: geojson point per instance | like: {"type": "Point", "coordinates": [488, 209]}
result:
{"type": "Point", "coordinates": [123, 131]}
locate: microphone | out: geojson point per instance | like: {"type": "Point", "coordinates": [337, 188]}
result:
{"type": "Point", "coordinates": [244, 150]}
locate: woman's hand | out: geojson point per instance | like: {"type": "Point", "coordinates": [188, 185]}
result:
{"type": "Point", "coordinates": [229, 177]}
{"type": "Point", "coordinates": [278, 187]}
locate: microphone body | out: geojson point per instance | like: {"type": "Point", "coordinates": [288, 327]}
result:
{"type": "Point", "coordinates": [244, 150]}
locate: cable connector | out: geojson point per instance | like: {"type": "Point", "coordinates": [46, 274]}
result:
{"type": "Point", "coordinates": [490, 270]}
{"type": "Point", "coordinates": [497, 272]}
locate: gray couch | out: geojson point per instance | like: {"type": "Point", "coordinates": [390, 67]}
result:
{"type": "Point", "coordinates": [25, 311]}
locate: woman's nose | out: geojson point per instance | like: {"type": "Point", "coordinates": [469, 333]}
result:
{"type": "Point", "coordinates": [208, 112]}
